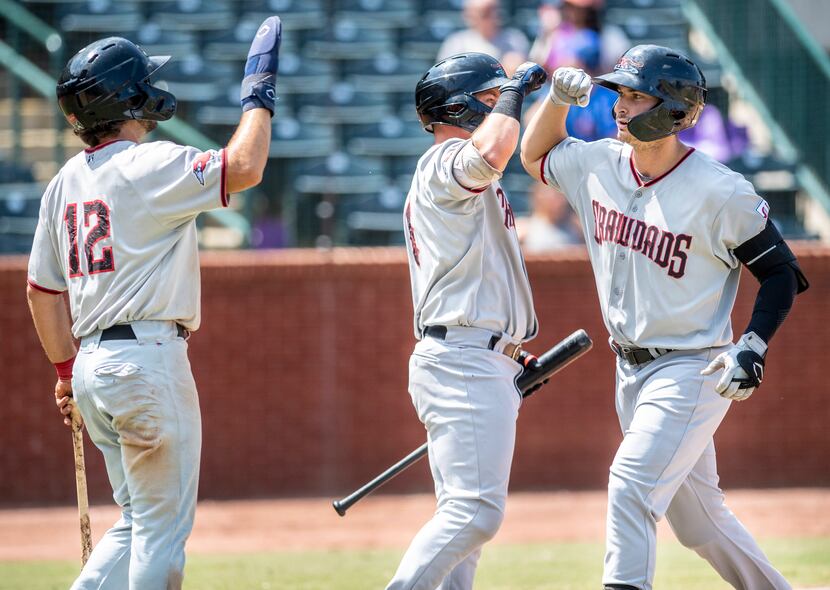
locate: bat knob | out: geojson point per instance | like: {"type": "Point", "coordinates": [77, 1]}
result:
{"type": "Point", "coordinates": [338, 507]}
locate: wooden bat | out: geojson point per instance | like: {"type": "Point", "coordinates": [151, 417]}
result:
{"type": "Point", "coordinates": [552, 361]}
{"type": "Point", "coordinates": [80, 484]}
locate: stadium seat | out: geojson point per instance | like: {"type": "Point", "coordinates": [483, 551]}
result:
{"type": "Point", "coordinates": [341, 174]}
{"type": "Point", "coordinates": [191, 78]}
{"type": "Point", "coordinates": [99, 16]}
{"type": "Point", "coordinates": [423, 42]}
{"type": "Point", "coordinates": [194, 15]}
{"type": "Point", "coordinates": [390, 136]}
{"type": "Point", "coordinates": [346, 39]}
{"type": "Point", "coordinates": [385, 72]}
{"type": "Point", "coordinates": [343, 104]}
{"type": "Point", "coordinates": [232, 44]}
{"type": "Point", "coordinates": [292, 139]}
{"type": "Point", "coordinates": [156, 40]}
{"type": "Point", "coordinates": [296, 15]}
{"type": "Point", "coordinates": [377, 13]}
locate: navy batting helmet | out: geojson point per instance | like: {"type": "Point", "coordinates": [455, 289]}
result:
{"type": "Point", "coordinates": [109, 80]}
{"type": "Point", "coordinates": [667, 75]}
{"type": "Point", "coordinates": [444, 96]}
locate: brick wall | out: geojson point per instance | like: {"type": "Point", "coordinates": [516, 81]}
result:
{"type": "Point", "coordinates": [301, 367]}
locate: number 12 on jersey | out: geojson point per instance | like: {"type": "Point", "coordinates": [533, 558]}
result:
{"type": "Point", "coordinates": [99, 231]}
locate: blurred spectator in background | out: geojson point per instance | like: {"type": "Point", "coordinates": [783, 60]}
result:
{"type": "Point", "coordinates": [268, 229]}
{"type": "Point", "coordinates": [486, 35]}
{"type": "Point", "coordinates": [715, 136]}
{"type": "Point", "coordinates": [552, 223]}
{"type": "Point", "coordinates": [560, 20]}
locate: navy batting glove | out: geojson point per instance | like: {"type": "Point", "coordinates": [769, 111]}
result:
{"type": "Point", "coordinates": [258, 85]}
{"type": "Point", "coordinates": [528, 77]}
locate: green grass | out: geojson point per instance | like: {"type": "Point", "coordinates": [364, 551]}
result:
{"type": "Point", "coordinates": [572, 566]}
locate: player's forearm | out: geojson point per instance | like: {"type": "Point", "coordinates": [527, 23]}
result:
{"type": "Point", "coordinates": [247, 151]}
{"type": "Point", "coordinates": [52, 323]}
{"type": "Point", "coordinates": [496, 139]}
{"type": "Point", "coordinates": [545, 130]}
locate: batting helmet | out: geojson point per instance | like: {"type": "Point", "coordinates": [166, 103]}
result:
{"type": "Point", "coordinates": [664, 74]}
{"type": "Point", "coordinates": [444, 95]}
{"type": "Point", "coordinates": [109, 80]}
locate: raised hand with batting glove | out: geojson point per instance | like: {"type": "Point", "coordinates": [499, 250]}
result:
{"type": "Point", "coordinates": [528, 78]}
{"type": "Point", "coordinates": [570, 86]}
{"type": "Point", "coordinates": [743, 368]}
{"type": "Point", "coordinates": [258, 86]}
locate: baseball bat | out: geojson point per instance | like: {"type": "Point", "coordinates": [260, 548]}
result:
{"type": "Point", "coordinates": [80, 484]}
{"type": "Point", "coordinates": [552, 361]}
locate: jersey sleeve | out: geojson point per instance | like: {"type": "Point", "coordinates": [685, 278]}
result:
{"type": "Point", "coordinates": [45, 271]}
{"type": "Point", "coordinates": [179, 182]}
{"type": "Point", "coordinates": [462, 171]}
{"type": "Point", "coordinates": [743, 216]}
{"type": "Point", "coordinates": [562, 167]}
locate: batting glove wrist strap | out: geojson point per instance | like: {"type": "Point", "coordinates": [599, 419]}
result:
{"type": "Point", "coordinates": [751, 341]}
{"type": "Point", "coordinates": [258, 86]}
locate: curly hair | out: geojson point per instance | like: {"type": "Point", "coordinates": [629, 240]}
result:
{"type": "Point", "coordinates": [98, 132]}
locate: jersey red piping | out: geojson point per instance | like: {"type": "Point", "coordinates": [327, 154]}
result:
{"type": "Point", "coordinates": [542, 168]}
{"type": "Point", "coordinates": [34, 285]}
{"type": "Point", "coordinates": [639, 181]}
{"type": "Point", "coordinates": [89, 150]}
{"type": "Point", "coordinates": [222, 186]}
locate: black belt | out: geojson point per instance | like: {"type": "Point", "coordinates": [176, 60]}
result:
{"type": "Point", "coordinates": [637, 356]}
{"type": "Point", "coordinates": [511, 350]}
{"type": "Point", "coordinates": [125, 332]}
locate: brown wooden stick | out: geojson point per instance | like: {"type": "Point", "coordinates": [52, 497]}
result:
{"type": "Point", "coordinates": [80, 484]}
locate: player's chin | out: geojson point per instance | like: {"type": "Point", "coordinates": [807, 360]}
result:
{"type": "Point", "coordinates": [624, 136]}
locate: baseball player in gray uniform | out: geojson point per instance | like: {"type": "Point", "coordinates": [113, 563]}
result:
{"type": "Point", "coordinates": [473, 310]}
{"type": "Point", "coordinates": [667, 230]}
{"type": "Point", "coordinates": [117, 231]}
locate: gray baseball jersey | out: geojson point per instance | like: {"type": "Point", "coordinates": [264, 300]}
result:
{"type": "Point", "coordinates": [464, 258]}
{"type": "Point", "coordinates": [130, 253]}
{"type": "Point", "coordinates": [661, 250]}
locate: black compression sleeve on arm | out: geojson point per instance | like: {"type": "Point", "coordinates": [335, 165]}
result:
{"type": "Point", "coordinates": [510, 103]}
{"type": "Point", "coordinates": [773, 302]}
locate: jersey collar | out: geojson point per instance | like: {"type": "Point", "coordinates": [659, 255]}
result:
{"type": "Point", "coordinates": [89, 150]}
{"type": "Point", "coordinates": [639, 180]}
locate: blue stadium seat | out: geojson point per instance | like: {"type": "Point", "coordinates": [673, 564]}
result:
{"type": "Point", "coordinates": [194, 15]}
{"type": "Point", "coordinates": [377, 13]}
{"type": "Point", "coordinates": [292, 139]}
{"type": "Point", "coordinates": [346, 39]}
{"type": "Point", "coordinates": [389, 136]}
{"type": "Point", "coordinates": [233, 43]}
{"type": "Point", "coordinates": [301, 75]}
{"type": "Point", "coordinates": [423, 42]}
{"type": "Point", "coordinates": [296, 15]}
{"type": "Point", "coordinates": [386, 72]}
{"type": "Point", "coordinates": [99, 16]}
{"type": "Point", "coordinates": [156, 40]}
{"type": "Point", "coordinates": [341, 174]}
{"type": "Point", "coordinates": [344, 104]}
{"type": "Point", "coordinates": [191, 78]}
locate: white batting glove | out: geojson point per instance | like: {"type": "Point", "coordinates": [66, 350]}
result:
{"type": "Point", "coordinates": [743, 367]}
{"type": "Point", "coordinates": [570, 86]}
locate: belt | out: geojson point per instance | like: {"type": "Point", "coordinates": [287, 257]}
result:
{"type": "Point", "coordinates": [510, 349]}
{"type": "Point", "coordinates": [637, 356]}
{"type": "Point", "coordinates": [125, 332]}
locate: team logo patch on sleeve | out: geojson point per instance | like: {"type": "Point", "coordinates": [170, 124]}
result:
{"type": "Point", "coordinates": [200, 165]}
{"type": "Point", "coordinates": [763, 209]}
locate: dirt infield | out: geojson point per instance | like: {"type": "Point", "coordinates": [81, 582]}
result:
{"type": "Point", "coordinates": [390, 521]}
